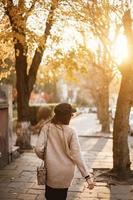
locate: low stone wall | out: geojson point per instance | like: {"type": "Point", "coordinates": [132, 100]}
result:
{"type": "Point", "coordinates": [4, 143]}
{"type": "Point", "coordinates": [5, 124]}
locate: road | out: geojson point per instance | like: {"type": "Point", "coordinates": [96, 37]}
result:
{"type": "Point", "coordinates": [86, 124]}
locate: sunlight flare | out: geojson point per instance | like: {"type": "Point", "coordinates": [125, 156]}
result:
{"type": "Point", "coordinates": [120, 49]}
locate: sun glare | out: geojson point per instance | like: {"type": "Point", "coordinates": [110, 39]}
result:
{"type": "Point", "coordinates": [92, 44]}
{"type": "Point", "coordinates": [120, 50]}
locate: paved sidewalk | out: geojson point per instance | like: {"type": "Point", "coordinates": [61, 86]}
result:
{"type": "Point", "coordinates": [18, 180]}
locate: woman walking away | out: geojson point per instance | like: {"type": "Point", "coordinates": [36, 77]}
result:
{"type": "Point", "coordinates": [62, 153]}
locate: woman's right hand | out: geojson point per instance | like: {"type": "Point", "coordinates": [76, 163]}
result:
{"type": "Point", "coordinates": [90, 183]}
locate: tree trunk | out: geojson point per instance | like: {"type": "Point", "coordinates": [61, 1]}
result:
{"type": "Point", "coordinates": [103, 109]}
{"type": "Point", "coordinates": [22, 83]}
{"type": "Point", "coordinates": [121, 160]}
{"type": "Point", "coordinates": [22, 129]}
{"type": "Point", "coordinates": [99, 110]}
{"type": "Point", "coordinates": [25, 81]}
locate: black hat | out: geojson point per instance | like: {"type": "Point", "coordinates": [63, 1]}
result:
{"type": "Point", "coordinates": [64, 108]}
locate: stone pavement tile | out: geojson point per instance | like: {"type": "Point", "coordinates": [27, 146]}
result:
{"type": "Point", "coordinates": [34, 191]}
{"type": "Point", "coordinates": [4, 184]}
{"type": "Point", "coordinates": [4, 191]}
{"type": "Point", "coordinates": [121, 189]}
{"type": "Point", "coordinates": [9, 173]}
{"type": "Point", "coordinates": [2, 179]}
{"type": "Point", "coordinates": [102, 164]}
{"type": "Point", "coordinates": [39, 187]}
{"type": "Point", "coordinates": [101, 184]}
{"type": "Point", "coordinates": [89, 198]}
{"type": "Point", "coordinates": [89, 193]}
{"type": "Point", "coordinates": [20, 185]}
{"type": "Point", "coordinates": [8, 196]}
{"type": "Point", "coordinates": [122, 192]}
{"type": "Point", "coordinates": [103, 190]}
{"type": "Point", "coordinates": [76, 188]}
{"type": "Point", "coordinates": [73, 195]}
{"type": "Point", "coordinates": [120, 197]}
{"type": "Point", "coordinates": [20, 188]}
{"type": "Point", "coordinates": [13, 190]}
{"type": "Point", "coordinates": [40, 197]}
{"type": "Point", "coordinates": [101, 195]}
{"type": "Point", "coordinates": [27, 168]}
{"type": "Point", "coordinates": [23, 178]}
{"type": "Point", "coordinates": [27, 172]}
{"type": "Point", "coordinates": [17, 190]}
{"type": "Point", "coordinates": [97, 193]}
{"type": "Point", "coordinates": [33, 179]}
{"type": "Point", "coordinates": [26, 176]}
{"type": "Point", "coordinates": [26, 197]}
{"type": "Point", "coordinates": [12, 166]}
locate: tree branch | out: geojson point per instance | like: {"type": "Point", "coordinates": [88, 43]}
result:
{"type": "Point", "coordinates": [39, 51]}
{"type": "Point", "coordinates": [7, 4]}
{"type": "Point", "coordinates": [32, 7]}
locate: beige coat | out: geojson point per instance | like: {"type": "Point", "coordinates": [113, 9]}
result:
{"type": "Point", "coordinates": [63, 153]}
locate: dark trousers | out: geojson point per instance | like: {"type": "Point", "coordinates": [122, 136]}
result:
{"type": "Point", "coordinates": [55, 193]}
